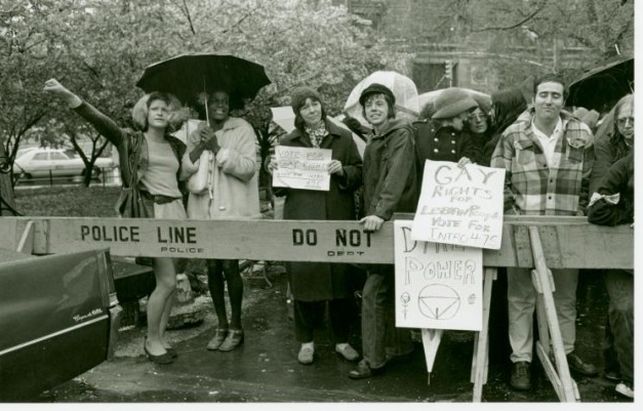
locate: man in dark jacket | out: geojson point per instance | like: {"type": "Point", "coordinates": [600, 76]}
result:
{"type": "Point", "coordinates": [390, 185]}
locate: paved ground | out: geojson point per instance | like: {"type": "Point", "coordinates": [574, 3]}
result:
{"type": "Point", "coordinates": [265, 368]}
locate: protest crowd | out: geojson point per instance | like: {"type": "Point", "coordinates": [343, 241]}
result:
{"type": "Point", "coordinates": [556, 162]}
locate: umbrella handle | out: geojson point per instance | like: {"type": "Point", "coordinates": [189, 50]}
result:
{"type": "Point", "coordinates": [207, 115]}
{"type": "Point", "coordinates": [205, 91]}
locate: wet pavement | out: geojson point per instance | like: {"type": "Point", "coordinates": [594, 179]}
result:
{"type": "Point", "coordinates": [265, 368]}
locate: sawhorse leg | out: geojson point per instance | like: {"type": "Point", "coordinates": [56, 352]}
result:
{"type": "Point", "coordinates": [480, 363]}
{"type": "Point", "coordinates": [548, 327]}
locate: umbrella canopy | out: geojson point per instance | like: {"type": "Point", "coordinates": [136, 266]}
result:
{"type": "Point", "coordinates": [430, 96]}
{"type": "Point", "coordinates": [285, 118]}
{"type": "Point", "coordinates": [187, 75]}
{"type": "Point", "coordinates": [403, 89]}
{"type": "Point", "coordinates": [601, 87]}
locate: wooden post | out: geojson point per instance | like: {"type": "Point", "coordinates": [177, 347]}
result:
{"type": "Point", "coordinates": [562, 380]}
{"type": "Point", "coordinates": [480, 365]}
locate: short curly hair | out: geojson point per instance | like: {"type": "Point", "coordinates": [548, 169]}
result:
{"type": "Point", "coordinates": [142, 107]}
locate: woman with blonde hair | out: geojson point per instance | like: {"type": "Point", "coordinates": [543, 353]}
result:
{"type": "Point", "coordinates": [150, 161]}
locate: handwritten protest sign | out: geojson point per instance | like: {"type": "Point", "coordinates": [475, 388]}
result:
{"type": "Point", "coordinates": [304, 168]}
{"type": "Point", "coordinates": [437, 286]}
{"type": "Point", "coordinates": [460, 205]}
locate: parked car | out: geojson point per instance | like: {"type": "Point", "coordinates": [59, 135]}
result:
{"type": "Point", "coordinates": [45, 162]}
{"type": "Point", "coordinates": [59, 317]}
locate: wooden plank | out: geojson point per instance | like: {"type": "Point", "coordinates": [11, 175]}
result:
{"type": "Point", "coordinates": [550, 370]}
{"type": "Point", "coordinates": [324, 241]}
{"type": "Point", "coordinates": [25, 245]}
{"type": "Point", "coordinates": [567, 390]}
{"type": "Point", "coordinates": [481, 353]}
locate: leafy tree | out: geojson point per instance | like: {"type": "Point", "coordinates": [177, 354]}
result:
{"type": "Point", "coordinates": [99, 49]}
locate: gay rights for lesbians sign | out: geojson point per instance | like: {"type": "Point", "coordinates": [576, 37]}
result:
{"type": "Point", "coordinates": [460, 205]}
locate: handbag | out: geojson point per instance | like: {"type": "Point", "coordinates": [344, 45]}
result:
{"type": "Point", "coordinates": [131, 203]}
{"type": "Point", "coordinates": [199, 181]}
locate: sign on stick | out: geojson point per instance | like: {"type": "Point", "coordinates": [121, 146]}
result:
{"type": "Point", "coordinates": [460, 205]}
{"type": "Point", "coordinates": [437, 286]}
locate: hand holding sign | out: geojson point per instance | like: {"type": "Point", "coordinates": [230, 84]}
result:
{"type": "Point", "coordinates": [303, 168]}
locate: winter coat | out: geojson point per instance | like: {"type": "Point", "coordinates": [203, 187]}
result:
{"type": "Point", "coordinates": [619, 180]}
{"type": "Point", "coordinates": [235, 180]}
{"type": "Point", "coordinates": [323, 281]}
{"type": "Point", "coordinates": [433, 142]}
{"type": "Point", "coordinates": [609, 148]}
{"type": "Point", "coordinates": [534, 187]}
{"type": "Point", "coordinates": [390, 171]}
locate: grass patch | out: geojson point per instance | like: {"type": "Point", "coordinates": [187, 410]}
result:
{"type": "Point", "coordinates": [68, 201]}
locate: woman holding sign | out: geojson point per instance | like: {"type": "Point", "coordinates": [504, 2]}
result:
{"type": "Point", "coordinates": [316, 284]}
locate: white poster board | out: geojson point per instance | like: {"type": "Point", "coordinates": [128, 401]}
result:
{"type": "Point", "coordinates": [437, 286]}
{"type": "Point", "coordinates": [303, 168]}
{"type": "Point", "coordinates": [460, 205]}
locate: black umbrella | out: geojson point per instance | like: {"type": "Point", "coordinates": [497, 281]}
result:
{"type": "Point", "coordinates": [187, 75]}
{"type": "Point", "coordinates": [601, 87]}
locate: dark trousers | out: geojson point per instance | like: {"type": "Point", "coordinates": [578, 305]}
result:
{"type": "Point", "coordinates": [620, 333]}
{"type": "Point", "coordinates": [310, 314]}
{"type": "Point", "coordinates": [381, 340]}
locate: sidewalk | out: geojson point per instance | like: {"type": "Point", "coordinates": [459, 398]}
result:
{"type": "Point", "coordinates": [265, 367]}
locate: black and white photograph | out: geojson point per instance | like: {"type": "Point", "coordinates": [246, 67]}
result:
{"type": "Point", "coordinates": [303, 203]}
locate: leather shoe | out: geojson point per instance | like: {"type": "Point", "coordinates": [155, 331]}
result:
{"type": "Point", "coordinates": [520, 376]}
{"type": "Point", "coordinates": [363, 370]}
{"type": "Point", "coordinates": [580, 367]}
{"type": "Point", "coordinates": [162, 359]}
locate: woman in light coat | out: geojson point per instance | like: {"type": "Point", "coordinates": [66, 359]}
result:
{"type": "Point", "coordinates": [232, 192]}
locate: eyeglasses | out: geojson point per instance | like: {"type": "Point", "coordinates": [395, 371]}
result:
{"type": "Point", "coordinates": [477, 116]}
{"type": "Point", "coordinates": [624, 120]}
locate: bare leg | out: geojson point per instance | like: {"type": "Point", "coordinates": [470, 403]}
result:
{"type": "Point", "coordinates": [156, 305]}
{"type": "Point", "coordinates": [169, 303]}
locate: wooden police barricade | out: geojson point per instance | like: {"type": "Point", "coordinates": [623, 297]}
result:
{"type": "Point", "coordinates": [538, 242]}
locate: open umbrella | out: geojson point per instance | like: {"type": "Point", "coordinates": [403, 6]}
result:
{"type": "Point", "coordinates": [187, 75]}
{"type": "Point", "coordinates": [285, 118]}
{"type": "Point", "coordinates": [601, 87]}
{"type": "Point", "coordinates": [403, 89]}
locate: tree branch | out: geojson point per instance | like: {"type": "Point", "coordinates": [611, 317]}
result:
{"type": "Point", "coordinates": [516, 25]}
{"type": "Point", "coordinates": [186, 11]}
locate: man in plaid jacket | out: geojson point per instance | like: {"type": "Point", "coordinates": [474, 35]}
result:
{"type": "Point", "coordinates": [547, 155]}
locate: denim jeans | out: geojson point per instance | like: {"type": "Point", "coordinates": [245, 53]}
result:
{"type": "Point", "coordinates": [380, 339]}
{"type": "Point", "coordinates": [620, 288]}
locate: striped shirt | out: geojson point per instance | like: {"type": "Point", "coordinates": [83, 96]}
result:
{"type": "Point", "coordinates": [534, 185]}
